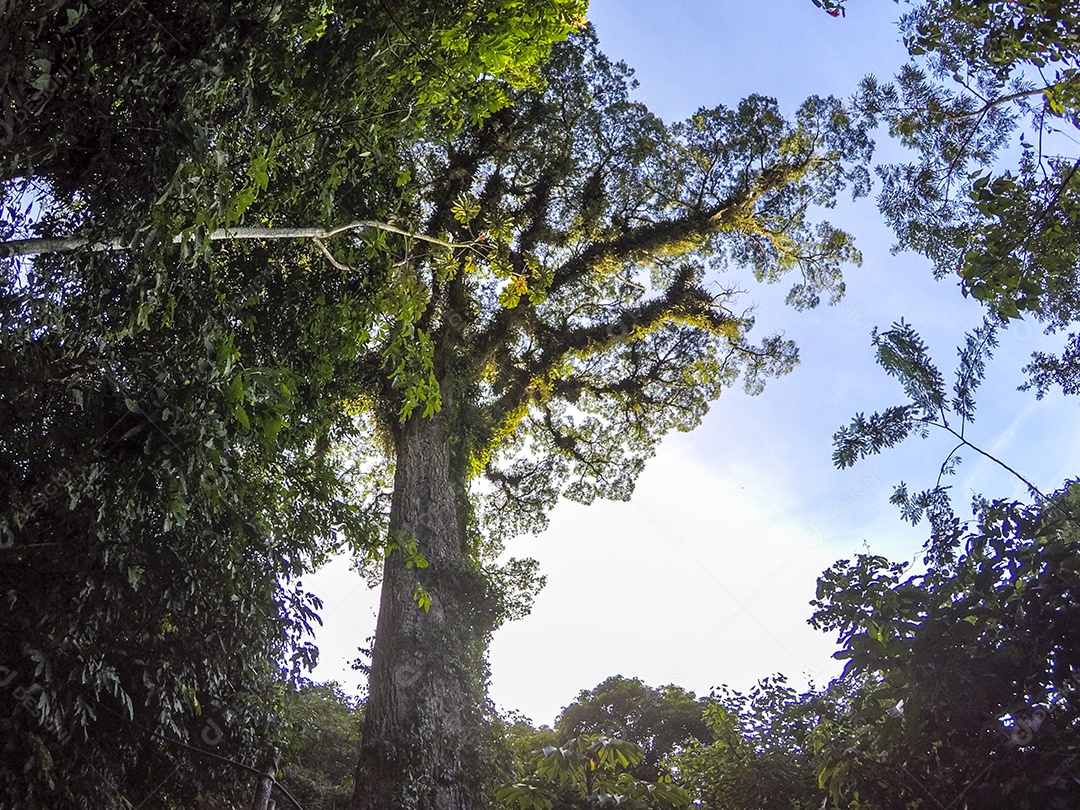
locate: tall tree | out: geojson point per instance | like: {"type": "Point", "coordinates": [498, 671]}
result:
{"type": "Point", "coordinates": [546, 354]}
{"type": "Point", "coordinates": [550, 356]}
{"type": "Point", "coordinates": [168, 412]}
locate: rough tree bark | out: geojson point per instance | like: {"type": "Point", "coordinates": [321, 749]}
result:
{"type": "Point", "coordinates": [421, 743]}
{"type": "Point", "coordinates": [264, 789]}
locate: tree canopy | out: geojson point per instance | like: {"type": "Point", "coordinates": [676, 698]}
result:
{"type": "Point", "coordinates": [988, 105]}
{"type": "Point", "coordinates": [657, 720]}
{"type": "Point", "coordinates": [169, 411]}
{"type": "Point", "coordinates": [167, 119]}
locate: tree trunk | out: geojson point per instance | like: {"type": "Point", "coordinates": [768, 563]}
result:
{"type": "Point", "coordinates": [265, 787]}
{"type": "Point", "coordinates": [421, 746]}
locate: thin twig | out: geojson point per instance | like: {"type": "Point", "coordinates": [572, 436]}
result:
{"type": "Point", "coordinates": [1005, 100]}
{"type": "Point", "coordinates": [941, 470]}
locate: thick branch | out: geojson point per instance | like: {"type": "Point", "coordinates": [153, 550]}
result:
{"type": "Point", "coordinates": [37, 247]}
{"type": "Point", "coordinates": [644, 241]}
{"type": "Point", "coordinates": [657, 237]}
{"type": "Point", "coordinates": [641, 242]}
{"type": "Point", "coordinates": [637, 242]}
{"type": "Point", "coordinates": [681, 300]}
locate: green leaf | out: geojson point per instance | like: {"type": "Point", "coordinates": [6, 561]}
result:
{"type": "Point", "coordinates": [422, 598]}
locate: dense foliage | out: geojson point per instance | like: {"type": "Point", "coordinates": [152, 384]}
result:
{"type": "Point", "coordinates": [319, 759]}
{"type": "Point", "coordinates": [658, 720]}
{"type": "Point", "coordinates": [170, 117]}
{"type": "Point", "coordinates": [964, 669]}
{"type": "Point", "coordinates": [170, 413]}
{"type": "Point", "coordinates": [762, 753]}
{"type": "Point", "coordinates": [967, 671]}
{"type": "Point", "coordinates": [589, 771]}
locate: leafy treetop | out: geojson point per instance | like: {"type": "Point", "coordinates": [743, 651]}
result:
{"type": "Point", "coordinates": [578, 327]}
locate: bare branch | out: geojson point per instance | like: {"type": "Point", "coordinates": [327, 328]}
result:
{"type": "Point", "coordinates": [330, 256]}
{"type": "Point", "coordinates": [37, 247]}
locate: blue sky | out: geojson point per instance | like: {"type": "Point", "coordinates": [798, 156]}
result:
{"type": "Point", "coordinates": [704, 577]}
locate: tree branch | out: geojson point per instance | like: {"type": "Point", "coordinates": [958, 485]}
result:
{"type": "Point", "coordinates": [1002, 100]}
{"type": "Point", "coordinates": [681, 299]}
{"type": "Point", "coordinates": [907, 112]}
{"type": "Point", "coordinates": [964, 442]}
{"type": "Point", "coordinates": [330, 256]}
{"type": "Point", "coordinates": [37, 247]}
{"type": "Point", "coordinates": [203, 751]}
